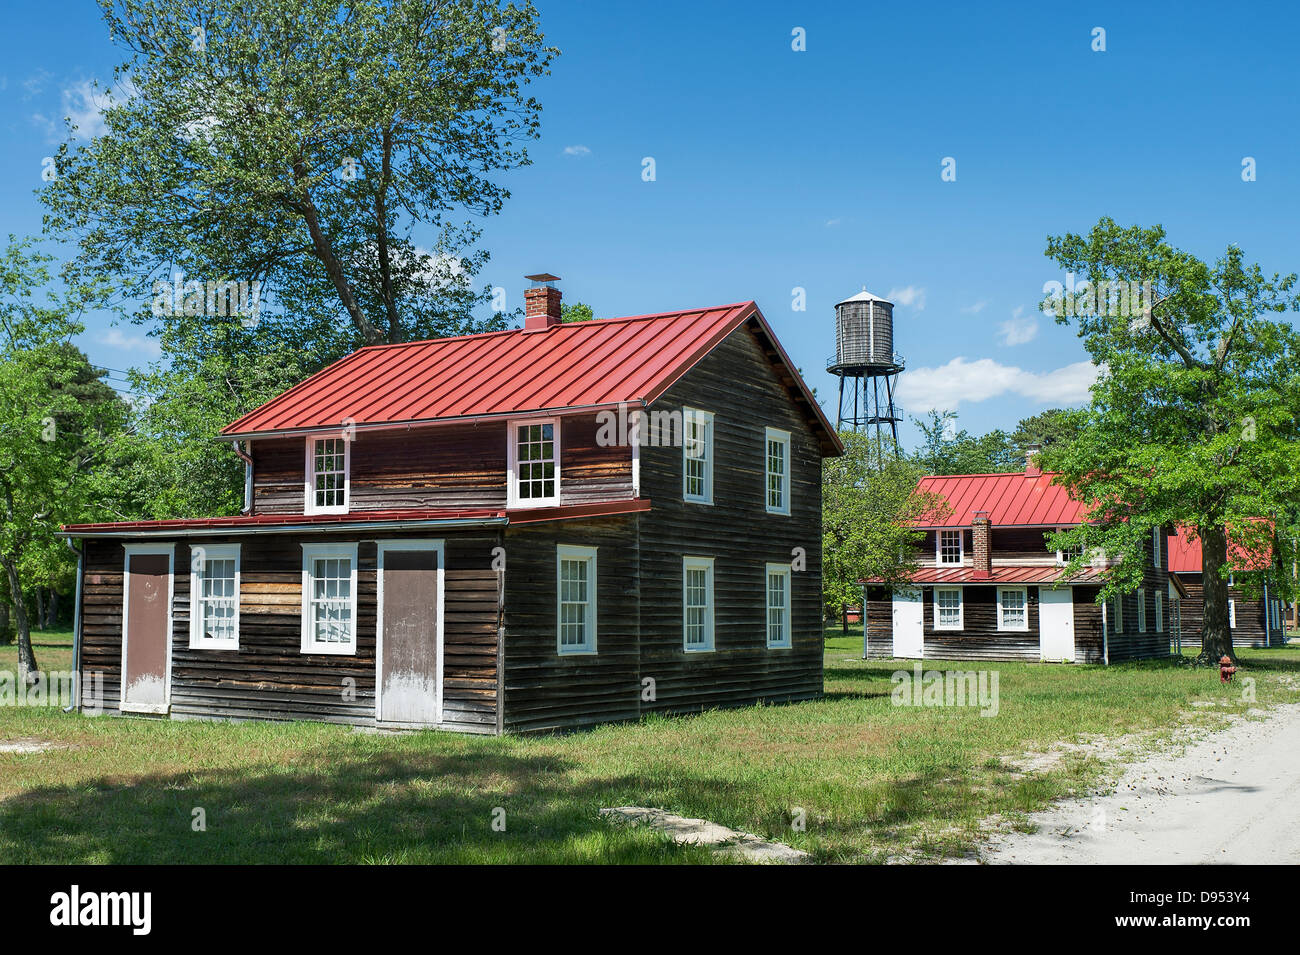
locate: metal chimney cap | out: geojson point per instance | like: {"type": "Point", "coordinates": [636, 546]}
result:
{"type": "Point", "coordinates": [542, 278]}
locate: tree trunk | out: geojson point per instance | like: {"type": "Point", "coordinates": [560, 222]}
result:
{"type": "Point", "coordinates": [1216, 635]}
{"type": "Point", "coordinates": [4, 622]}
{"type": "Point", "coordinates": [52, 610]}
{"type": "Point", "coordinates": [26, 658]}
{"type": "Point", "coordinates": [40, 607]}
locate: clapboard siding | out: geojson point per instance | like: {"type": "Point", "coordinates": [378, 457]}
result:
{"type": "Point", "coordinates": [545, 690]}
{"type": "Point", "coordinates": [980, 638]}
{"type": "Point", "coordinates": [1089, 640]}
{"type": "Point", "coordinates": [448, 465]}
{"type": "Point", "coordinates": [737, 383]}
{"type": "Point", "coordinates": [1252, 628]}
{"type": "Point", "coordinates": [269, 677]}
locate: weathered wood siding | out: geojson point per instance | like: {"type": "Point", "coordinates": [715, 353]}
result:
{"type": "Point", "coordinates": [269, 677]}
{"type": "Point", "coordinates": [448, 465]}
{"type": "Point", "coordinates": [545, 690]}
{"type": "Point", "coordinates": [737, 383]}
{"type": "Point", "coordinates": [1252, 628]}
{"type": "Point", "coordinates": [980, 638]}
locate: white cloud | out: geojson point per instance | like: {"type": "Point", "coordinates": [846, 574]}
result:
{"type": "Point", "coordinates": [577, 150]}
{"type": "Point", "coordinates": [1019, 328]}
{"type": "Point", "coordinates": [960, 380]}
{"type": "Point", "coordinates": [832, 222]}
{"type": "Point", "coordinates": [909, 296]}
{"type": "Point", "coordinates": [115, 339]}
{"type": "Point", "coordinates": [84, 105]}
{"type": "Point", "coordinates": [976, 307]}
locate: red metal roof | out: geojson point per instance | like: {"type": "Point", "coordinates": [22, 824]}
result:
{"type": "Point", "coordinates": [1185, 554]}
{"type": "Point", "coordinates": [1009, 499]}
{"type": "Point", "coordinates": [572, 365]}
{"type": "Point", "coordinates": [245, 523]}
{"type": "Point", "coordinates": [1038, 574]}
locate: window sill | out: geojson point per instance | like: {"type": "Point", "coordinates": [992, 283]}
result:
{"type": "Point", "coordinates": [330, 651]}
{"type": "Point", "coordinates": [700, 649]}
{"type": "Point", "coordinates": [226, 647]}
{"type": "Point", "coordinates": [576, 653]}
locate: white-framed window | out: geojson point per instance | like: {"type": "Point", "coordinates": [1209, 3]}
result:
{"type": "Point", "coordinates": [697, 603]}
{"type": "Point", "coordinates": [1065, 556]}
{"type": "Point", "coordinates": [1142, 610]}
{"type": "Point", "coordinates": [1117, 617]}
{"type": "Point", "coordinates": [1232, 614]}
{"type": "Point", "coordinates": [778, 605]}
{"type": "Point", "coordinates": [777, 445]}
{"type": "Point", "coordinates": [1157, 539]}
{"type": "Point", "coordinates": [1232, 579]}
{"type": "Point", "coordinates": [948, 611]}
{"type": "Point", "coordinates": [329, 598]}
{"type": "Point", "coordinates": [697, 455]}
{"type": "Point", "coordinates": [948, 547]}
{"type": "Point", "coordinates": [214, 596]}
{"type": "Point", "coordinates": [575, 599]}
{"type": "Point", "coordinates": [329, 463]}
{"type": "Point", "coordinates": [534, 463]}
{"type": "Point", "coordinates": [1013, 608]}
{"type": "Point", "coordinates": [1160, 612]}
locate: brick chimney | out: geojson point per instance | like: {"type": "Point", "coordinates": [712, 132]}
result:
{"type": "Point", "coordinates": [541, 303]}
{"type": "Point", "coordinates": [982, 541]}
{"type": "Point", "coordinates": [1031, 460]}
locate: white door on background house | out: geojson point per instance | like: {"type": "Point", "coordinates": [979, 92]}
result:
{"type": "Point", "coordinates": [909, 624]}
{"type": "Point", "coordinates": [1056, 624]}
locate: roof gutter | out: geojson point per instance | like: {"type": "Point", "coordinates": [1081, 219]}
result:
{"type": "Point", "coordinates": [216, 530]}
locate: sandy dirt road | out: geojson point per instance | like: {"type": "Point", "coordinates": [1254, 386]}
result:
{"type": "Point", "coordinates": [1232, 797]}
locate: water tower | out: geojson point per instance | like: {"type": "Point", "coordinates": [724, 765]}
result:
{"type": "Point", "coordinates": [866, 365]}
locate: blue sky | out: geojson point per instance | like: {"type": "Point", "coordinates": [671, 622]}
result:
{"type": "Point", "coordinates": [820, 169]}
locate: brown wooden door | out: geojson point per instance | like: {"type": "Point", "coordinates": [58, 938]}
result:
{"type": "Point", "coordinates": [409, 677]}
{"type": "Point", "coordinates": [146, 637]}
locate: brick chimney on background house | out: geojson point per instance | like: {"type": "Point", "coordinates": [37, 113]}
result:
{"type": "Point", "coordinates": [541, 303]}
{"type": "Point", "coordinates": [982, 544]}
{"type": "Point", "coordinates": [1031, 460]}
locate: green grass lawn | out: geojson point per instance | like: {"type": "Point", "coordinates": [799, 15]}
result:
{"type": "Point", "coordinates": [874, 780]}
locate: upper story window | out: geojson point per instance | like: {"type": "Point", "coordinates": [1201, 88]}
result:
{"type": "Point", "coordinates": [328, 463]}
{"type": "Point", "coordinates": [1069, 553]}
{"type": "Point", "coordinates": [697, 603]}
{"type": "Point", "coordinates": [214, 597]}
{"type": "Point", "coordinates": [534, 463]}
{"type": "Point", "coordinates": [329, 598]}
{"type": "Point", "coordinates": [1157, 539]}
{"type": "Point", "coordinates": [948, 547]}
{"type": "Point", "coordinates": [778, 471]}
{"type": "Point", "coordinates": [1013, 608]}
{"type": "Point", "coordinates": [778, 606]}
{"type": "Point", "coordinates": [697, 455]}
{"type": "Point", "coordinates": [575, 599]}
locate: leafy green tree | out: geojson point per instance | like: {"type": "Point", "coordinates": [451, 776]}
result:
{"type": "Point", "coordinates": [576, 312]}
{"type": "Point", "coordinates": [1193, 419]}
{"type": "Point", "coordinates": [51, 434]}
{"type": "Point", "coordinates": [300, 144]}
{"type": "Point", "coordinates": [946, 450]}
{"type": "Point", "coordinates": [869, 500]}
{"type": "Point", "coordinates": [1053, 426]}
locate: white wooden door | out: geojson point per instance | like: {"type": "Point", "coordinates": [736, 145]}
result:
{"type": "Point", "coordinates": [1056, 624]}
{"type": "Point", "coordinates": [909, 624]}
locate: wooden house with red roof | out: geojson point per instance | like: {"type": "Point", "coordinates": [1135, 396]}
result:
{"type": "Point", "coordinates": [1255, 619]}
{"type": "Point", "coordinates": [527, 530]}
{"type": "Point", "coordinates": [988, 588]}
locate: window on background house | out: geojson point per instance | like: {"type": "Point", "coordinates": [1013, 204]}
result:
{"type": "Point", "coordinates": [214, 596]}
{"type": "Point", "coordinates": [948, 547]}
{"type": "Point", "coordinates": [697, 603]}
{"type": "Point", "coordinates": [328, 463]}
{"type": "Point", "coordinates": [1157, 539]}
{"type": "Point", "coordinates": [1160, 612]}
{"type": "Point", "coordinates": [778, 471]}
{"type": "Point", "coordinates": [947, 608]}
{"type": "Point", "coordinates": [329, 598]}
{"type": "Point", "coordinates": [778, 605]}
{"type": "Point", "coordinates": [534, 463]}
{"type": "Point", "coordinates": [1142, 610]}
{"type": "Point", "coordinates": [697, 455]}
{"type": "Point", "coordinates": [1118, 615]}
{"type": "Point", "coordinates": [1232, 614]}
{"type": "Point", "coordinates": [1065, 556]}
{"type": "Point", "coordinates": [1013, 608]}
{"type": "Point", "coordinates": [575, 599]}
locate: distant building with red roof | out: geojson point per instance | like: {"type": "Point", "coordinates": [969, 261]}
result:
{"type": "Point", "coordinates": [988, 588]}
{"type": "Point", "coordinates": [1255, 619]}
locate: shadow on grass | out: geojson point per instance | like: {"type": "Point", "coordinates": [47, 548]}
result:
{"type": "Point", "coordinates": [411, 806]}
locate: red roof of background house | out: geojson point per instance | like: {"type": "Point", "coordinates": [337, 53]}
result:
{"type": "Point", "coordinates": [1185, 555]}
{"type": "Point", "coordinates": [572, 365]}
{"type": "Point", "coordinates": [1009, 499]}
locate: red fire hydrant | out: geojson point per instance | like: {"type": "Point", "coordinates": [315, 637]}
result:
{"type": "Point", "coordinates": [1226, 669]}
